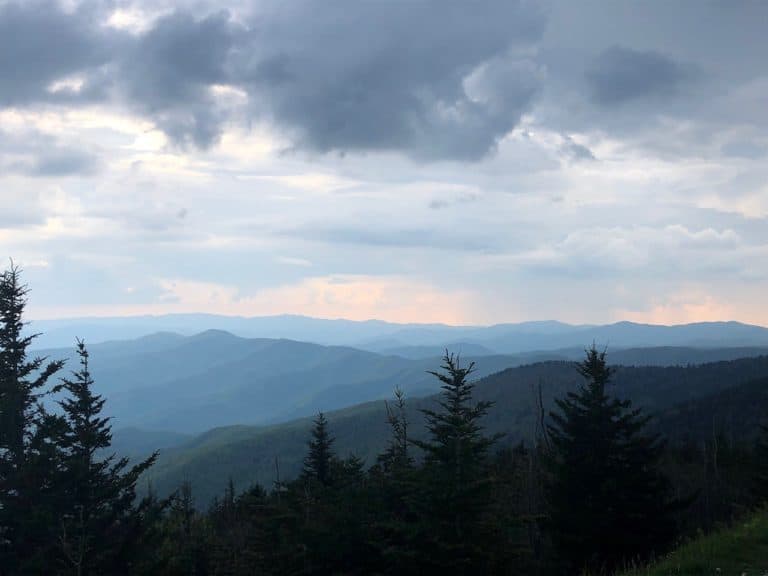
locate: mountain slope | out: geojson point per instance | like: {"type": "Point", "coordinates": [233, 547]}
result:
{"type": "Point", "coordinates": [191, 384]}
{"type": "Point", "coordinates": [741, 550]}
{"type": "Point", "coordinates": [248, 454]}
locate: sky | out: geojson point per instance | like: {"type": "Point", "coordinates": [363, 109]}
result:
{"type": "Point", "coordinates": [411, 161]}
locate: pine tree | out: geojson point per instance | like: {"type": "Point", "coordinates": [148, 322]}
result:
{"type": "Point", "coordinates": [102, 522]}
{"type": "Point", "coordinates": [396, 458]}
{"type": "Point", "coordinates": [456, 483]}
{"type": "Point", "coordinates": [28, 459]}
{"type": "Point", "coordinates": [319, 459]}
{"type": "Point", "coordinates": [760, 480]}
{"type": "Point", "coordinates": [609, 504]}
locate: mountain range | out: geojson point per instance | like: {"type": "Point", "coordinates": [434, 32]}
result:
{"type": "Point", "coordinates": [412, 340]}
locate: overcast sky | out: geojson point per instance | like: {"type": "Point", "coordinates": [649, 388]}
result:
{"type": "Point", "coordinates": [415, 161]}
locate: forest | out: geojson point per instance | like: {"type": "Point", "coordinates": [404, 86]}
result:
{"type": "Point", "coordinates": [604, 482]}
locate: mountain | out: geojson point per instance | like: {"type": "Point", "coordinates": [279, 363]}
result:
{"type": "Point", "coordinates": [189, 384]}
{"type": "Point", "coordinates": [137, 443]}
{"type": "Point", "coordinates": [409, 340]}
{"type": "Point", "coordinates": [250, 454]}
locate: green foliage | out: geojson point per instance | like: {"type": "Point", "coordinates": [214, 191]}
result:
{"type": "Point", "coordinates": [741, 549]}
{"type": "Point", "coordinates": [606, 483]}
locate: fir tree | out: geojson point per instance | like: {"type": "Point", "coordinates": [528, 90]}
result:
{"type": "Point", "coordinates": [456, 483]}
{"type": "Point", "coordinates": [319, 459]}
{"type": "Point", "coordinates": [28, 459]}
{"type": "Point", "coordinates": [609, 504]}
{"type": "Point", "coordinates": [760, 481]}
{"type": "Point", "coordinates": [102, 522]}
{"type": "Point", "coordinates": [396, 458]}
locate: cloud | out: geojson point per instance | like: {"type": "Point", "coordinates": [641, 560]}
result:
{"type": "Point", "coordinates": [169, 73]}
{"type": "Point", "coordinates": [683, 307]}
{"type": "Point", "coordinates": [434, 81]}
{"type": "Point", "coordinates": [355, 297]}
{"type": "Point", "coordinates": [393, 237]}
{"type": "Point", "coordinates": [64, 163]}
{"type": "Point", "coordinates": [348, 78]}
{"type": "Point", "coordinates": [575, 151]}
{"type": "Point", "coordinates": [33, 153]}
{"type": "Point", "coordinates": [620, 75]}
{"type": "Point", "coordinates": [40, 45]}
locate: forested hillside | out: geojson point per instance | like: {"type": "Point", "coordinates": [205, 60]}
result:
{"type": "Point", "coordinates": [689, 400]}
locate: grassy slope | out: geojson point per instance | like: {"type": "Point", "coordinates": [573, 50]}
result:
{"type": "Point", "coordinates": [739, 550]}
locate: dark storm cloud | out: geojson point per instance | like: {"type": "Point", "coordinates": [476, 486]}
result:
{"type": "Point", "coordinates": [168, 72]}
{"type": "Point", "coordinates": [620, 75]}
{"type": "Point", "coordinates": [431, 79]}
{"type": "Point", "coordinates": [393, 76]}
{"type": "Point", "coordinates": [41, 44]}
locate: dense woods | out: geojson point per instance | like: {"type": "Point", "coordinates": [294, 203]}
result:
{"type": "Point", "coordinates": [602, 483]}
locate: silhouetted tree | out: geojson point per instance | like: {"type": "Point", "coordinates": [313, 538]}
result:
{"type": "Point", "coordinates": [761, 466]}
{"type": "Point", "coordinates": [455, 481]}
{"type": "Point", "coordinates": [101, 522]}
{"type": "Point", "coordinates": [396, 457]}
{"type": "Point", "coordinates": [609, 504]}
{"type": "Point", "coordinates": [317, 464]}
{"type": "Point", "coordinates": [28, 459]}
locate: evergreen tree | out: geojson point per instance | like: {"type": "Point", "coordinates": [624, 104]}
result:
{"type": "Point", "coordinates": [318, 462]}
{"type": "Point", "coordinates": [455, 480]}
{"type": "Point", "coordinates": [760, 482]}
{"type": "Point", "coordinates": [609, 504]}
{"type": "Point", "coordinates": [396, 457]}
{"type": "Point", "coordinates": [102, 522]}
{"type": "Point", "coordinates": [28, 459]}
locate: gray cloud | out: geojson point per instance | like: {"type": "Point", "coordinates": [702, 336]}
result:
{"type": "Point", "coordinates": [35, 154]}
{"type": "Point", "coordinates": [41, 44]}
{"type": "Point", "coordinates": [64, 163]}
{"type": "Point", "coordinates": [403, 238]}
{"type": "Point", "coordinates": [375, 76]}
{"type": "Point", "coordinates": [744, 149]}
{"type": "Point", "coordinates": [430, 79]}
{"type": "Point", "coordinates": [620, 75]}
{"type": "Point", "coordinates": [575, 151]}
{"type": "Point", "coordinates": [168, 72]}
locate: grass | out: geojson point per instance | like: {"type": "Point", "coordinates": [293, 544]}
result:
{"type": "Point", "coordinates": [741, 550]}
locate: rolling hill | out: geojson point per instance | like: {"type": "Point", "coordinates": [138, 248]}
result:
{"type": "Point", "coordinates": [250, 454]}
{"type": "Point", "coordinates": [189, 384]}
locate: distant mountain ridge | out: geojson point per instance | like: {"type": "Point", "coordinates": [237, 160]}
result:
{"type": "Point", "coordinates": [407, 339]}
{"type": "Point", "coordinates": [188, 384]}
